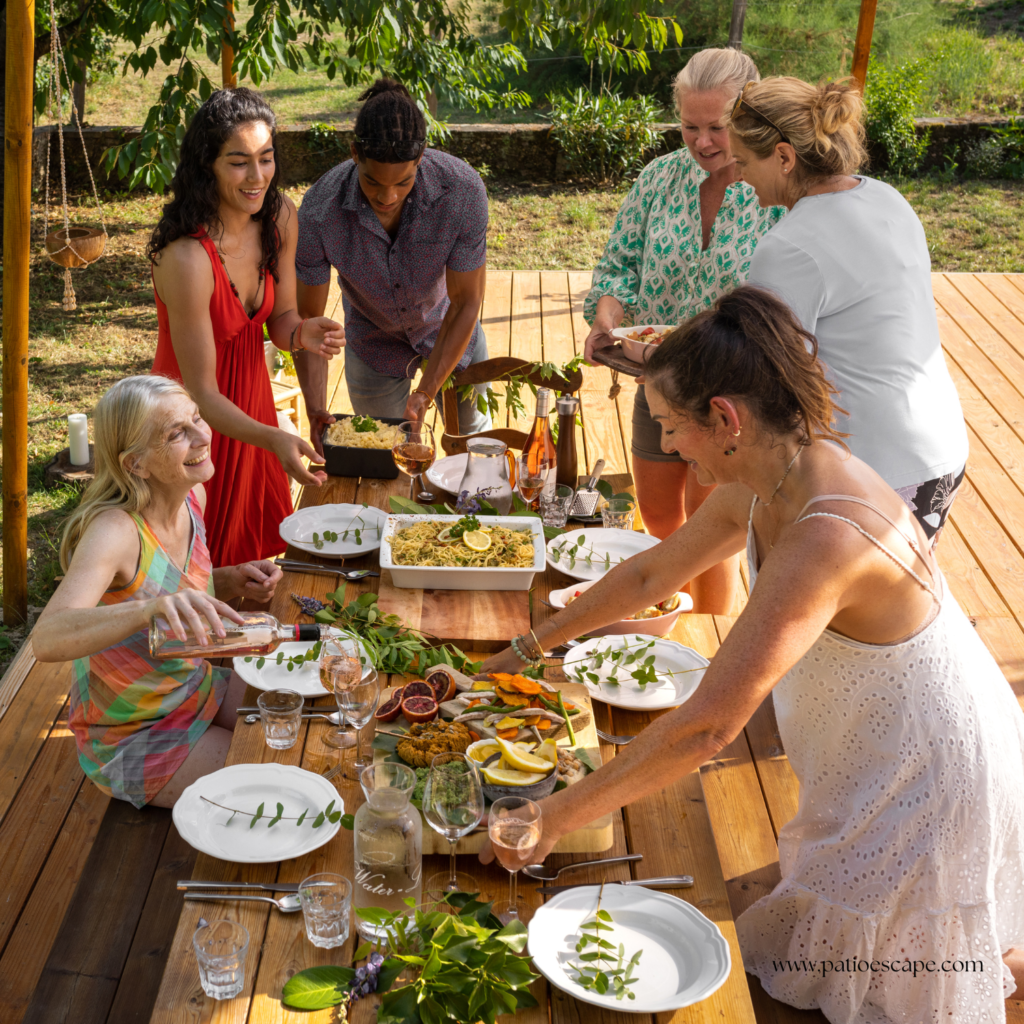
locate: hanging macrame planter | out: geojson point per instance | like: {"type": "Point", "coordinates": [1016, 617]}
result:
{"type": "Point", "coordinates": [69, 246]}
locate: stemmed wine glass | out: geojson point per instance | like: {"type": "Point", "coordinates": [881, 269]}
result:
{"type": "Point", "coordinates": [453, 804]}
{"type": "Point", "coordinates": [532, 471]}
{"type": "Point", "coordinates": [414, 452]}
{"type": "Point", "coordinates": [514, 827]}
{"type": "Point", "coordinates": [357, 704]}
{"type": "Point", "coordinates": [340, 669]}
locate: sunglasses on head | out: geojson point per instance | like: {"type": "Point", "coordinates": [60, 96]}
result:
{"type": "Point", "coordinates": [743, 107]}
{"type": "Point", "coordinates": [403, 150]}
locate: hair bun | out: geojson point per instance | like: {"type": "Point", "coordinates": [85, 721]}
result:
{"type": "Point", "coordinates": [383, 85]}
{"type": "Point", "coordinates": [834, 106]}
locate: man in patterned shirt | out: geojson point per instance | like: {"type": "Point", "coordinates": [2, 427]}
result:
{"type": "Point", "coordinates": [405, 228]}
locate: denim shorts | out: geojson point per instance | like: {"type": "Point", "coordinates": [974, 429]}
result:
{"type": "Point", "coordinates": [376, 394]}
{"type": "Point", "coordinates": [647, 433]}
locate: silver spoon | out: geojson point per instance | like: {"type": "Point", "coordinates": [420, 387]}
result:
{"type": "Point", "coordinates": [542, 874]}
{"type": "Point", "coordinates": [286, 904]}
{"type": "Point", "coordinates": [334, 719]}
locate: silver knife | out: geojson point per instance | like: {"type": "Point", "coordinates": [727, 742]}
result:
{"type": "Point", "coordinates": [275, 887]}
{"type": "Point", "coordinates": [290, 565]}
{"type": "Point", "coordinates": [669, 882]}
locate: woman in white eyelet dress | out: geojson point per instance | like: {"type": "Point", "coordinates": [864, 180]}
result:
{"type": "Point", "coordinates": [905, 847]}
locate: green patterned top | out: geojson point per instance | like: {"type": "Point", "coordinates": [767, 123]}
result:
{"type": "Point", "coordinates": [653, 263]}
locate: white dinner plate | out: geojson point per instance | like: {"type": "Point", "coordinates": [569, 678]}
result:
{"type": "Point", "coordinates": [299, 527]}
{"type": "Point", "coordinates": [685, 956]}
{"type": "Point", "coordinates": [673, 665]}
{"type": "Point", "coordinates": [605, 548]}
{"type": "Point", "coordinates": [304, 680]}
{"type": "Point", "coordinates": [447, 473]}
{"type": "Point", "coordinates": [214, 831]}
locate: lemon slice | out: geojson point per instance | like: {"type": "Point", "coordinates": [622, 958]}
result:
{"type": "Point", "coordinates": [548, 751]}
{"type": "Point", "coordinates": [502, 777]}
{"type": "Point", "coordinates": [482, 749]}
{"type": "Point", "coordinates": [522, 760]}
{"type": "Point", "coordinates": [445, 535]}
{"type": "Point", "coordinates": [476, 540]}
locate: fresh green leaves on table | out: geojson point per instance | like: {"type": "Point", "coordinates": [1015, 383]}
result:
{"type": "Point", "coordinates": [317, 988]}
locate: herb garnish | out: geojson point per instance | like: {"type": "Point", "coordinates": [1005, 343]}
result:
{"type": "Point", "coordinates": [364, 425]}
{"type": "Point", "coordinates": [296, 660]}
{"type": "Point", "coordinates": [327, 814]}
{"type": "Point", "coordinates": [628, 654]}
{"type": "Point", "coordinates": [604, 967]}
{"type": "Point", "coordinates": [465, 525]}
{"type": "Point", "coordinates": [575, 553]}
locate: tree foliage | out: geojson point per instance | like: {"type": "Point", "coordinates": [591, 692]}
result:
{"type": "Point", "coordinates": [427, 44]}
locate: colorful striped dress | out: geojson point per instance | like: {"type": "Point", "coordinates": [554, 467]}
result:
{"type": "Point", "coordinates": [136, 719]}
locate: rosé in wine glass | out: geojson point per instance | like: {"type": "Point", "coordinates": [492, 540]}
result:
{"type": "Point", "coordinates": [340, 670]}
{"type": "Point", "coordinates": [414, 451]}
{"type": "Point", "coordinates": [514, 828]}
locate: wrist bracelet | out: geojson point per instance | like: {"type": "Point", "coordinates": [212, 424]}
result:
{"type": "Point", "coordinates": [292, 344]}
{"type": "Point", "coordinates": [420, 391]}
{"type": "Point", "coordinates": [540, 649]}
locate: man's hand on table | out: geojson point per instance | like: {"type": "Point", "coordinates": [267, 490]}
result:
{"type": "Point", "coordinates": [255, 581]}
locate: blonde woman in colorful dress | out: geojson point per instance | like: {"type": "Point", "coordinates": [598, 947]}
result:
{"type": "Point", "coordinates": [136, 547]}
{"type": "Point", "coordinates": [684, 236]}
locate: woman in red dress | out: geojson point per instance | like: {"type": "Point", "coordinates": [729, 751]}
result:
{"type": "Point", "coordinates": [223, 260]}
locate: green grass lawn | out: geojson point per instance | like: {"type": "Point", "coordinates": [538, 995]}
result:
{"type": "Point", "coordinates": [75, 357]}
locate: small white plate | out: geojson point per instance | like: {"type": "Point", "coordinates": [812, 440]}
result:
{"type": "Point", "coordinates": [245, 787]}
{"type": "Point", "coordinates": [304, 680]}
{"type": "Point", "coordinates": [606, 548]}
{"type": "Point", "coordinates": [685, 956]}
{"type": "Point", "coordinates": [638, 351]}
{"type": "Point", "coordinates": [299, 527]}
{"type": "Point", "coordinates": [674, 684]}
{"type": "Point", "coordinates": [447, 473]}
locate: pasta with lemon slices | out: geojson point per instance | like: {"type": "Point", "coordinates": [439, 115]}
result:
{"type": "Point", "coordinates": [420, 544]}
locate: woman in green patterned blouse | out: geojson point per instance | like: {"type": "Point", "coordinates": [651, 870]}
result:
{"type": "Point", "coordinates": [683, 237]}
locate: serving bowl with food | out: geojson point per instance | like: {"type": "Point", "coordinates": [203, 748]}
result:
{"type": "Point", "coordinates": [527, 737]}
{"type": "Point", "coordinates": [436, 552]}
{"type": "Point", "coordinates": [657, 620]}
{"type": "Point", "coordinates": [638, 342]}
{"type": "Point", "coordinates": [360, 446]}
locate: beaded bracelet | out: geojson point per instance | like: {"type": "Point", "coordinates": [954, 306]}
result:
{"type": "Point", "coordinates": [519, 653]}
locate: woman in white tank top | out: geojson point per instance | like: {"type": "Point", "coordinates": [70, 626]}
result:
{"type": "Point", "coordinates": [908, 845]}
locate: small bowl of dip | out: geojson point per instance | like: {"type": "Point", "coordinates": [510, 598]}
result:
{"type": "Point", "coordinates": [654, 621]}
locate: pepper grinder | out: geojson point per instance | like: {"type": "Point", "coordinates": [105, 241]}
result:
{"type": "Point", "coordinates": [565, 464]}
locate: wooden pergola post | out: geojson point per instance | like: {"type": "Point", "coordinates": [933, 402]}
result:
{"type": "Point", "coordinates": [862, 47]}
{"type": "Point", "coordinates": [17, 229]}
{"type": "Point", "coordinates": [227, 53]}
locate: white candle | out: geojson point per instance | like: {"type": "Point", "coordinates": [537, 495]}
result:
{"type": "Point", "coordinates": [78, 436]}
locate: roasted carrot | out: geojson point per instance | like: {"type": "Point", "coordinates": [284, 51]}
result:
{"type": "Point", "coordinates": [507, 734]}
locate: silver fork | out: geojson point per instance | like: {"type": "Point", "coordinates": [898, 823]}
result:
{"type": "Point", "coordinates": [619, 741]}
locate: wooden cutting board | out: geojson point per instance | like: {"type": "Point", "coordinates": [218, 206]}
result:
{"type": "Point", "coordinates": [594, 838]}
{"type": "Point", "coordinates": [484, 619]}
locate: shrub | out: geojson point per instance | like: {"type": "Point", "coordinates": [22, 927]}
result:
{"type": "Point", "coordinates": [892, 97]}
{"type": "Point", "coordinates": [1011, 139]}
{"type": "Point", "coordinates": [605, 137]}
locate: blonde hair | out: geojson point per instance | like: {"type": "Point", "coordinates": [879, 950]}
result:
{"type": "Point", "coordinates": [823, 123]}
{"type": "Point", "coordinates": [716, 69]}
{"type": "Point", "coordinates": [124, 423]}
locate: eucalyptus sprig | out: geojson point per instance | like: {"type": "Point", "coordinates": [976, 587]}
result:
{"type": "Point", "coordinates": [577, 553]}
{"type": "Point", "coordinates": [293, 661]}
{"type": "Point", "coordinates": [327, 814]}
{"type": "Point", "coordinates": [621, 658]}
{"type": "Point", "coordinates": [357, 531]}
{"type": "Point", "coordinates": [603, 966]}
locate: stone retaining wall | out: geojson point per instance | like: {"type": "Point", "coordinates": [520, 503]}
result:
{"type": "Point", "coordinates": [516, 152]}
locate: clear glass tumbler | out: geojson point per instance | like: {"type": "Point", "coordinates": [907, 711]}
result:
{"type": "Point", "coordinates": [326, 908]}
{"type": "Point", "coordinates": [281, 712]}
{"type": "Point", "coordinates": [617, 514]}
{"type": "Point", "coordinates": [554, 507]}
{"type": "Point", "coordinates": [220, 949]}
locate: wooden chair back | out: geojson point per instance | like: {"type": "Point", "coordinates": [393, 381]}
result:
{"type": "Point", "coordinates": [499, 368]}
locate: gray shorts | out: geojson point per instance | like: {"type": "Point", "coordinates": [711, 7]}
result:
{"type": "Point", "coordinates": [647, 433]}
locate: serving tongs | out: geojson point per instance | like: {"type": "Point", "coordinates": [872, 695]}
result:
{"type": "Point", "coordinates": [351, 575]}
{"type": "Point", "coordinates": [585, 502]}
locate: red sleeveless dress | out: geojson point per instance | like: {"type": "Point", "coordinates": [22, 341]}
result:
{"type": "Point", "coordinates": [249, 493]}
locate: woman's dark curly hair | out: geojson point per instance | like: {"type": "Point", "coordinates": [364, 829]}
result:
{"type": "Point", "coordinates": [196, 201]}
{"type": "Point", "coordinates": [748, 345]}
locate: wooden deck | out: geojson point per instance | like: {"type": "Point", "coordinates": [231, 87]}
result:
{"type": "Point", "coordinates": [88, 909]}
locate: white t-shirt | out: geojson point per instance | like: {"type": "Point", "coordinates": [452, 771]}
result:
{"type": "Point", "coordinates": [854, 267]}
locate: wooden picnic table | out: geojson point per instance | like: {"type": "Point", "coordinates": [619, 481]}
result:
{"type": "Point", "coordinates": [89, 913]}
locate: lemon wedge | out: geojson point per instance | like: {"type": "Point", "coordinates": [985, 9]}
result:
{"type": "Point", "coordinates": [503, 777]}
{"type": "Point", "coordinates": [476, 540]}
{"type": "Point", "coordinates": [482, 749]}
{"type": "Point", "coordinates": [547, 751]}
{"type": "Point", "coordinates": [522, 760]}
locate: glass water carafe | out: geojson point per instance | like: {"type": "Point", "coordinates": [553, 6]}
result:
{"type": "Point", "coordinates": [388, 840]}
{"type": "Point", "coordinates": [487, 476]}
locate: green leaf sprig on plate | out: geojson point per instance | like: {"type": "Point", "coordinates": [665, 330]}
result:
{"type": "Point", "coordinates": [357, 531]}
{"type": "Point", "coordinates": [601, 966]}
{"type": "Point", "coordinates": [620, 659]}
{"type": "Point", "coordinates": [441, 968]}
{"type": "Point", "coordinates": [293, 661]}
{"type": "Point", "coordinates": [327, 814]}
{"type": "Point", "coordinates": [576, 552]}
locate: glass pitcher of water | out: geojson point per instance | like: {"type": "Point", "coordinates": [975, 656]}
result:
{"type": "Point", "coordinates": [488, 465]}
{"type": "Point", "coordinates": [388, 838]}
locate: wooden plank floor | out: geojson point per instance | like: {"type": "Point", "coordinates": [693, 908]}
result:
{"type": "Point", "coordinates": [95, 951]}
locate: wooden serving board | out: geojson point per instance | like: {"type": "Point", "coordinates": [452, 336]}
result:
{"type": "Point", "coordinates": [484, 619]}
{"type": "Point", "coordinates": [594, 838]}
{"type": "Point", "coordinates": [614, 358]}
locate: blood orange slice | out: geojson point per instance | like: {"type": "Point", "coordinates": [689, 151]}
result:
{"type": "Point", "coordinates": [443, 683]}
{"type": "Point", "coordinates": [419, 709]}
{"type": "Point", "coordinates": [418, 688]}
